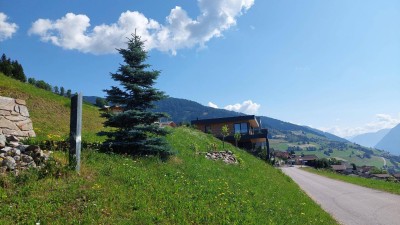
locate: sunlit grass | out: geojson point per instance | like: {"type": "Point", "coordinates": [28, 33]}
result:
{"type": "Point", "coordinates": [186, 189]}
{"type": "Point", "coordinates": [49, 112]}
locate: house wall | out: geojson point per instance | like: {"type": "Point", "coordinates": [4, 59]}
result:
{"type": "Point", "coordinates": [216, 128]}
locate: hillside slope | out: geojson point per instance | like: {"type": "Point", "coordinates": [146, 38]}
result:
{"type": "Point", "coordinates": [283, 135]}
{"type": "Point", "coordinates": [391, 141]}
{"type": "Point", "coordinates": [186, 189]}
{"type": "Point", "coordinates": [50, 112]}
{"type": "Point", "coordinates": [182, 110]}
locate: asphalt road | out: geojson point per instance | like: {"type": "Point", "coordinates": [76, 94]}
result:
{"type": "Point", "coordinates": [348, 203]}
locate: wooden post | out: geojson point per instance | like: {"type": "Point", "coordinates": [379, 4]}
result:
{"type": "Point", "coordinates": [75, 132]}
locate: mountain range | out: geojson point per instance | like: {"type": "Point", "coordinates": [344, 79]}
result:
{"type": "Point", "coordinates": [182, 110]}
{"type": "Point", "coordinates": [391, 141]}
{"type": "Point", "coordinates": [370, 139]}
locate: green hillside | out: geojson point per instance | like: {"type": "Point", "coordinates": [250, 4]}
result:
{"type": "Point", "coordinates": [284, 135]}
{"type": "Point", "coordinates": [117, 189]}
{"type": "Point", "coordinates": [307, 144]}
{"type": "Point", "coordinates": [50, 112]}
{"type": "Point", "coordinates": [186, 189]}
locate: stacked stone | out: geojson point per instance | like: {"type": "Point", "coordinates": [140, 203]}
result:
{"type": "Point", "coordinates": [14, 118]}
{"type": "Point", "coordinates": [15, 156]}
{"type": "Point", "coordinates": [226, 156]}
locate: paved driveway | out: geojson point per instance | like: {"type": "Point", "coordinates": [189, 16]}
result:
{"type": "Point", "coordinates": [348, 203]}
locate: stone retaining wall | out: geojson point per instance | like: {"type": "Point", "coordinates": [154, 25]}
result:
{"type": "Point", "coordinates": [14, 118]}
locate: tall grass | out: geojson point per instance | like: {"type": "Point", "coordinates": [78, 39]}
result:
{"type": "Point", "coordinates": [49, 112]}
{"type": "Point", "coordinates": [186, 189]}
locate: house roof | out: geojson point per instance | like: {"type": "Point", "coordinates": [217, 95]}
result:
{"type": "Point", "coordinates": [397, 175]}
{"type": "Point", "coordinates": [251, 118]}
{"type": "Point", "coordinates": [307, 157]}
{"type": "Point", "coordinates": [338, 167]}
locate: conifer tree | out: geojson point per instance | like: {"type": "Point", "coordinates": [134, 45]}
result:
{"type": "Point", "coordinates": [136, 131]}
{"type": "Point", "coordinates": [62, 91]}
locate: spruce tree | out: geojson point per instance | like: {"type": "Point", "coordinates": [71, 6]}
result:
{"type": "Point", "coordinates": [136, 131]}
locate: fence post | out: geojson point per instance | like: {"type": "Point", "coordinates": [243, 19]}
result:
{"type": "Point", "coordinates": [75, 132]}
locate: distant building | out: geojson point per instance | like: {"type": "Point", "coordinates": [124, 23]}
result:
{"type": "Point", "coordinates": [113, 109]}
{"type": "Point", "coordinates": [308, 160]}
{"type": "Point", "coordinates": [167, 124]}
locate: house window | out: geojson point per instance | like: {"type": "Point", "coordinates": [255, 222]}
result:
{"type": "Point", "coordinates": [237, 128]}
{"type": "Point", "coordinates": [241, 128]}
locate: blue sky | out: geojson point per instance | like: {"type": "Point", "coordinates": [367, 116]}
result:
{"type": "Point", "coordinates": [332, 65]}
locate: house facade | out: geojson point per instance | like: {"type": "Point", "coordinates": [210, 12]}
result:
{"type": "Point", "coordinates": [252, 136]}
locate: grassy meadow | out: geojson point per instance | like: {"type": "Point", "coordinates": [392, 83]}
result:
{"type": "Point", "coordinates": [185, 189]}
{"type": "Point", "coordinates": [50, 112]}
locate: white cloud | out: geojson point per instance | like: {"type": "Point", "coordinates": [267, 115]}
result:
{"type": "Point", "coordinates": [383, 121]}
{"type": "Point", "coordinates": [247, 107]}
{"type": "Point", "coordinates": [179, 31]}
{"type": "Point", "coordinates": [6, 29]}
{"type": "Point", "coordinates": [212, 105]}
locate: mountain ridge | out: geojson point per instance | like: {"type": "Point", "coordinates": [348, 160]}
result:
{"type": "Point", "coordinates": [370, 139]}
{"type": "Point", "coordinates": [391, 141]}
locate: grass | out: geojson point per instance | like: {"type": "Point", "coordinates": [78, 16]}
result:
{"type": "Point", "coordinates": [186, 189]}
{"type": "Point", "coordinates": [50, 112]}
{"type": "Point", "coordinates": [388, 186]}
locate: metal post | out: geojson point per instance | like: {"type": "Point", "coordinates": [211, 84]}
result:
{"type": "Point", "coordinates": [75, 132]}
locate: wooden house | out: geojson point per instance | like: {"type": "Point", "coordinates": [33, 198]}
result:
{"type": "Point", "coordinates": [252, 136]}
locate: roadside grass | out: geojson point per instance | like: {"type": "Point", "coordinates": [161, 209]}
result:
{"type": "Point", "coordinates": [185, 189]}
{"type": "Point", "coordinates": [50, 113]}
{"type": "Point", "coordinates": [388, 186]}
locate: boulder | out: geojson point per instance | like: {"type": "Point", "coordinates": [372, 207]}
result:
{"type": "Point", "coordinates": [5, 149]}
{"type": "Point", "coordinates": [9, 162]}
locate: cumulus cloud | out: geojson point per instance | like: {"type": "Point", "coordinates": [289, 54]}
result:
{"type": "Point", "coordinates": [382, 121]}
{"type": "Point", "coordinates": [6, 29]}
{"type": "Point", "coordinates": [247, 107]}
{"type": "Point", "coordinates": [212, 105]}
{"type": "Point", "coordinates": [179, 31]}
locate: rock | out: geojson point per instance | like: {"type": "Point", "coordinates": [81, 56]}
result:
{"type": "Point", "coordinates": [5, 113]}
{"type": "Point", "coordinates": [26, 158]}
{"type": "Point", "coordinates": [22, 147]}
{"type": "Point", "coordinates": [17, 158]}
{"type": "Point", "coordinates": [20, 102]}
{"type": "Point", "coordinates": [32, 164]}
{"type": "Point", "coordinates": [32, 148]}
{"type": "Point", "coordinates": [13, 144]}
{"type": "Point", "coordinates": [16, 118]}
{"type": "Point", "coordinates": [23, 111]}
{"type": "Point", "coordinates": [9, 162]}
{"type": "Point", "coordinates": [12, 138]}
{"type": "Point", "coordinates": [7, 104]}
{"type": "Point", "coordinates": [2, 141]}
{"type": "Point", "coordinates": [16, 151]}
{"type": "Point", "coordinates": [5, 149]}
{"type": "Point", "coordinates": [25, 125]}
{"type": "Point", "coordinates": [4, 123]}
{"type": "Point", "coordinates": [16, 108]}
{"type": "Point", "coordinates": [14, 132]}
